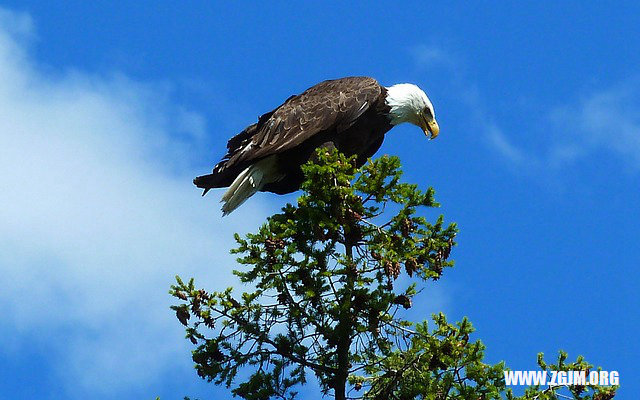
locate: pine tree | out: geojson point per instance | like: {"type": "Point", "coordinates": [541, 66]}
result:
{"type": "Point", "coordinates": [326, 299]}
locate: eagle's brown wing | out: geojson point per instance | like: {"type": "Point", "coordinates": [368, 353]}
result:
{"type": "Point", "coordinates": [332, 105]}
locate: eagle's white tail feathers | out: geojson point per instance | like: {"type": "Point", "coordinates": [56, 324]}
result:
{"type": "Point", "coordinates": [250, 181]}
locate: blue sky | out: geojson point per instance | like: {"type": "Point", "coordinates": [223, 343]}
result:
{"type": "Point", "coordinates": [107, 112]}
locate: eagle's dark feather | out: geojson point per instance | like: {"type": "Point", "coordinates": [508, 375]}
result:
{"type": "Point", "coordinates": [349, 114]}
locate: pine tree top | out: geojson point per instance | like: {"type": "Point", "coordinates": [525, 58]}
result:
{"type": "Point", "coordinates": [326, 297]}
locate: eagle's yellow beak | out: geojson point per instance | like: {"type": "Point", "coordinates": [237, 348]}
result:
{"type": "Point", "coordinates": [430, 127]}
{"type": "Point", "coordinates": [433, 127]}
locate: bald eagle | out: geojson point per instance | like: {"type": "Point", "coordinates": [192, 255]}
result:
{"type": "Point", "coordinates": [350, 114]}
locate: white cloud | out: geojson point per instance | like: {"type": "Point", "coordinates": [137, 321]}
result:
{"type": "Point", "coordinates": [602, 124]}
{"type": "Point", "coordinates": [604, 121]}
{"type": "Point", "coordinates": [429, 56]}
{"type": "Point", "coordinates": [97, 214]}
{"type": "Point", "coordinates": [469, 97]}
{"type": "Point", "coordinates": [501, 143]}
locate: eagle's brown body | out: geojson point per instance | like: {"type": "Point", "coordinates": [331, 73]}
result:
{"type": "Point", "coordinates": [349, 114]}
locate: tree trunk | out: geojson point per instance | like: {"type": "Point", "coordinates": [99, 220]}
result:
{"type": "Point", "coordinates": [344, 327]}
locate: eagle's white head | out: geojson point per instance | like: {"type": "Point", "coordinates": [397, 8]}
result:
{"type": "Point", "coordinates": [409, 103]}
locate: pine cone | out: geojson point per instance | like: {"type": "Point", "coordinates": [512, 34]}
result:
{"type": "Point", "coordinates": [403, 300]}
{"type": "Point", "coordinates": [392, 269]}
{"type": "Point", "coordinates": [183, 315]}
{"type": "Point", "coordinates": [411, 266]}
{"type": "Point", "coordinates": [406, 227]}
{"type": "Point", "coordinates": [272, 244]}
